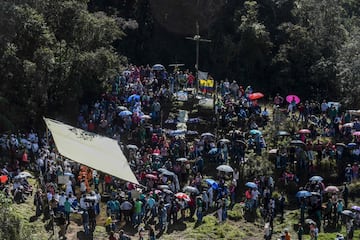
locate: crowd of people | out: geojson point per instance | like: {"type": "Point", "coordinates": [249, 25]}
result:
{"type": "Point", "coordinates": [169, 163]}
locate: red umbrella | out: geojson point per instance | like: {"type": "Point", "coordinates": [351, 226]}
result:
{"type": "Point", "coordinates": [151, 176]}
{"type": "Point", "coordinates": [290, 98]}
{"type": "Point", "coordinates": [256, 95]}
{"type": "Point", "coordinates": [3, 178]}
{"type": "Point", "coordinates": [304, 131]}
{"type": "Point", "coordinates": [183, 196]}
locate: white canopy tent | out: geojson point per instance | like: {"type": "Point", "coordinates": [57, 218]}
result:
{"type": "Point", "coordinates": [93, 150]}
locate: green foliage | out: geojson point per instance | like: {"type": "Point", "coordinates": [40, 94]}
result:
{"type": "Point", "coordinates": [53, 54]}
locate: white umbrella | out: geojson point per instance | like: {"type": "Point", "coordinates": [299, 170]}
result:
{"type": "Point", "coordinates": [191, 189]}
{"type": "Point", "coordinates": [132, 146]}
{"type": "Point", "coordinates": [122, 108]}
{"type": "Point", "coordinates": [225, 168]}
{"type": "Point", "coordinates": [146, 117]}
{"type": "Point", "coordinates": [24, 175]}
{"type": "Point", "coordinates": [182, 160]}
{"type": "Point", "coordinates": [207, 135]}
{"type": "Point", "coordinates": [224, 140]}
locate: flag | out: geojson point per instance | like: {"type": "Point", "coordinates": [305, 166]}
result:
{"type": "Point", "coordinates": [206, 83]}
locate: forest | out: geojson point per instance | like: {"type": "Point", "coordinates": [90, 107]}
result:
{"type": "Point", "coordinates": [57, 54]}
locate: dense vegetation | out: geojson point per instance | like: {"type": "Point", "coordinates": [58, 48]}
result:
{"type": "Point", "coordinates": [56, 54]}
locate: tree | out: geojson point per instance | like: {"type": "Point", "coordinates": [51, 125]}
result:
{"type": "Point", "coordinates": [54, 53]}
{"type": "Point", "coordinates": [348, 67]}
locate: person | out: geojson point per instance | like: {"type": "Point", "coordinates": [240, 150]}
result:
{"type": "Point", "coordinates": [287, 235]}
{"type": "Point", "coordinates": [350, 229]}
{"type": "Point", "coordinates": [278, 100]}
{"type": "Point", "coordinates": [219, 206]}
{"type": "Point", "coordinates": [300, 232]}
{"type": "Point", "coordinates": [67, 210]}
{"type": "Point", "coordinates": [339, 237]}
{"type": "Point", "coordinates": [123, 236]}
{"type": "Point", "coordinates": [62, 225]}
{"type": "Point", "coordinates": [199, 209]}
{"type": "Point", "coordinates": [85, 221]}
{"type": "Point", "coordinates": [112, 236]}
{"type": "Point", "coordinates": [152, 235]}
{"type": "Point", "coordinates": [267, 231]}
{"type": "Point", "coordinates": [345, 195]}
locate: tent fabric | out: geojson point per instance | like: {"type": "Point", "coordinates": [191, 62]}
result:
{"type": "Point", "coordinates": [90, 149]}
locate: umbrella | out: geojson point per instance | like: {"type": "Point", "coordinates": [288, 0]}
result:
{"type": "Point", "coordinates": [297, 142]}
{"type": "Point", "coordinates": [234, 132]}
{"type": "Point", "coordinates": [151, 176]}
{"type": "Point", "coordinates": [158, 67]}
{"type": "Point", "coordinates": [162, 170]}
{"type": "Point", "coordinates": [255, 132]}
{"type": "Point", "coordinates": [273, 151]}
{"type": "Point", "coordinates": [191, 189]}
{"type": "Point", "coordinates": [69, 174]}
{"type": "Point", "coordinates": [168, 191]}
{"type": "Point", "coordinates": [331, 189]}
{"type": "Point", "coordinates": [213, 151]}
{"type": "Point", "coordinates": [224, 140]}
{"type": "Point", "coordinates": [3, 178]}
{"type": "Point", "coordinates": [132, 147]}
{"type": "Point", "coordinates": [155, 154]}
{"type": "Point", "coordinates": [183, 196]}
{"type": "Point", "coordinates": [146, 117]}
{"type": "Point", "coordinates": [156, 191]}
{"type": "Point", "coordinates": [24, 175]}
{"type": "Point", "coordinates": [122, 108]}
{"type": "Point", "coordinates": [126, 72]}
{"type": "Point", "coordinates": [181, 159]}
{"type": "Point", "coordinates": [207, 135]}
{"type": "Point", "coordinates": [163, 187]}
{"type": "Point", "coordinates": [125, 113]}
{"type": "Point", "coordinates": [356, 208]}
{"type": "Point", "coordinates": [242, 142]}
{"type": "Point", "coordinates": [251, 185]}
{"type": "Point", "coordinates": [303, 193]}
{"type": "Point", "coordinates": [290, 98]}
{"type": "Point", "coordinates": [133, 97]}
{"type": "Point", "coordinates": [304, 131]}
{"type": "Point", "coordinates": [340, 144]}
{"type": "Point", "coordinates": [212, 183]}
{"type": "Point", "coordinates": [357, 133]}
{"type": "Point", "coordinates": [350, 125]}
{"type": "Point", "coordinates": [352, 144]}
{"type": "Point", "coordinates": [348, 213]}
{"type": "Point", "coordinates": [256, 95]}
{"type": "Point", "coordinates": [310, 221]}
{"type": "Point", "coordinates": [316, 178]}
{"type": "Point", "coordinates": [225, 168]}
{"type": "Point", "coordinates": [283, 133]}
{"type": "Point", "coordinates": [168, 173]}
{"type": "Point", "coordinates": [315, 194]}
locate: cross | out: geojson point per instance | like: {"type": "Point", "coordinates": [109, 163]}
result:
{"type": "Point", "coordinates": [198, 39]}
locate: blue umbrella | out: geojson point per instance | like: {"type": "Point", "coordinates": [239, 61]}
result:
{"type": "Point", "coordinates": [213, 151]}
{"type": "Point", "coordinates": [133, 97]}
{"type": "Point", "coordinates": [351, 144]}
{"type": "Point", "coordinates": [303, 193]}
{"type": "Point", "coordinates": [251, 185]}
{"type": "Point", "coordinates": [316, 178]}
{"type": "Point", "coordinates": [212, 183]}
{"type": "Point", "coordinates": [125, 113]}
{"type": "Point", "coordinates": [255, 132]}
{"type": "Point", "coordinates": [158, 67]}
